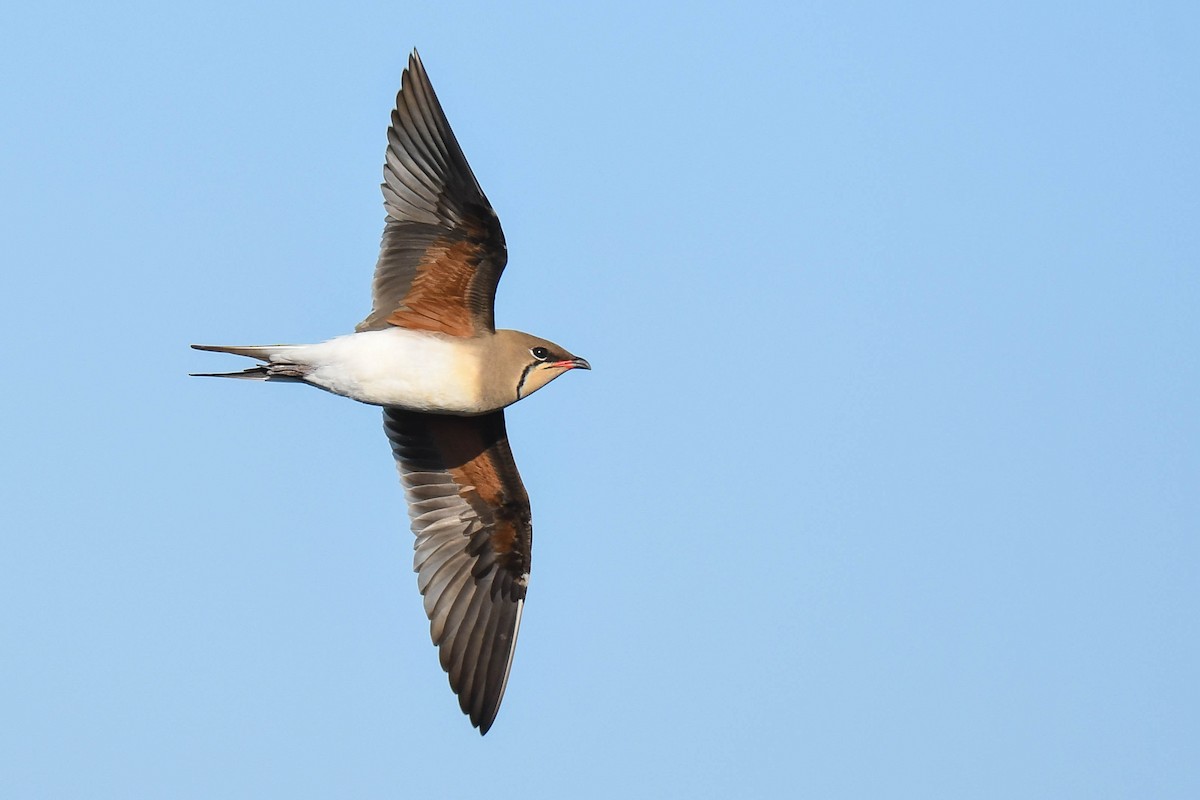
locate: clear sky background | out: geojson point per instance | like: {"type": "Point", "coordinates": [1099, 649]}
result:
{"type": "Point", "coordinates": [884, 484]}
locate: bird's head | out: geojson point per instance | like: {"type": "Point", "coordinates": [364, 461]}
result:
{"type": "Point", "coordinates": [531, 362]}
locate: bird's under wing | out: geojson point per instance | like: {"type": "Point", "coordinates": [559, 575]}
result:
{"type": "Point", "coordinates": [470, 513]}
{"type": "Point", "coordinates": [443, 250]}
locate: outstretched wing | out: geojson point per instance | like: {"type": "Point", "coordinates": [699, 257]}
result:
{"type": "Point", "coordinates": [470, 513]}
{"type": "Point", "coordinates": [443, 249]}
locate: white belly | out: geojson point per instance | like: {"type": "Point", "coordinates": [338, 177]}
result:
{"type": "Point", "coordinates": [397, 367]}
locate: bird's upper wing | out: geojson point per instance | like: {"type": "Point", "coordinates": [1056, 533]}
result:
{"type": "Point", "coordinates": [470, 513]}
{"type": "Point", "coordinates": [443, 249]}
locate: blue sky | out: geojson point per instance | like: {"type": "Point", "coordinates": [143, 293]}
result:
{"type": "Point", "coordinates": [884, 483]}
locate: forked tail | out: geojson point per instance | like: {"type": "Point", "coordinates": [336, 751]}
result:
{"type": "Point", "coordinates": [277, 367]}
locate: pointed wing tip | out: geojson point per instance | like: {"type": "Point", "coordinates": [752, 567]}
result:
{"type": "Point", "coordinates": [491, 706]}
{"type": "Point", "coordinates": [414, 63]}
{"type": "Point", "coordinates": [484, 717]}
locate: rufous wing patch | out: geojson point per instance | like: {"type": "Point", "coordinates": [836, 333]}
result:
{"type": "Point", "coordinates": [437, 301]}
{"type": "Point", "coordinates": [475, 451]}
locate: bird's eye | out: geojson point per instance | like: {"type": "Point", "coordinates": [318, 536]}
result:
{"type": "Point", "coordinates": [540, 353]}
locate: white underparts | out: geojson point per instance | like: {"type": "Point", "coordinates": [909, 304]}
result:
{"type": "Point", "coordinates": [396, 367]}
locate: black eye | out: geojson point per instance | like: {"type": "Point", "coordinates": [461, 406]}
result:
{"type": "Point", "coordinates": [540, 353]}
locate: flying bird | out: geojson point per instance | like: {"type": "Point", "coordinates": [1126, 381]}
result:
{"type": "Point", "coordinates": [429, 353]}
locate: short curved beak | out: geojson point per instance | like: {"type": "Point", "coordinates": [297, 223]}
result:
{"type": "Point", "coordinates": [573, 363]}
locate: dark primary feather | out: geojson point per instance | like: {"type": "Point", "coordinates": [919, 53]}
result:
{"type": "Point", "coordinates": [470, 514]}
{"type": "Point", "coordinates": [443, 249]}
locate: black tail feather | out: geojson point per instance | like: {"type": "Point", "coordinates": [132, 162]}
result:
{"type": "Point", "coordinates": [252, 374]}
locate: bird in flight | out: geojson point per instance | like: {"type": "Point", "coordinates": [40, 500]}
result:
{"type": "Point", "coordinates": [429, 353]}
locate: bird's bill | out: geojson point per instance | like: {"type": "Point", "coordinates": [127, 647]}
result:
{"type": "Point", "coordinates": [572, 363]}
